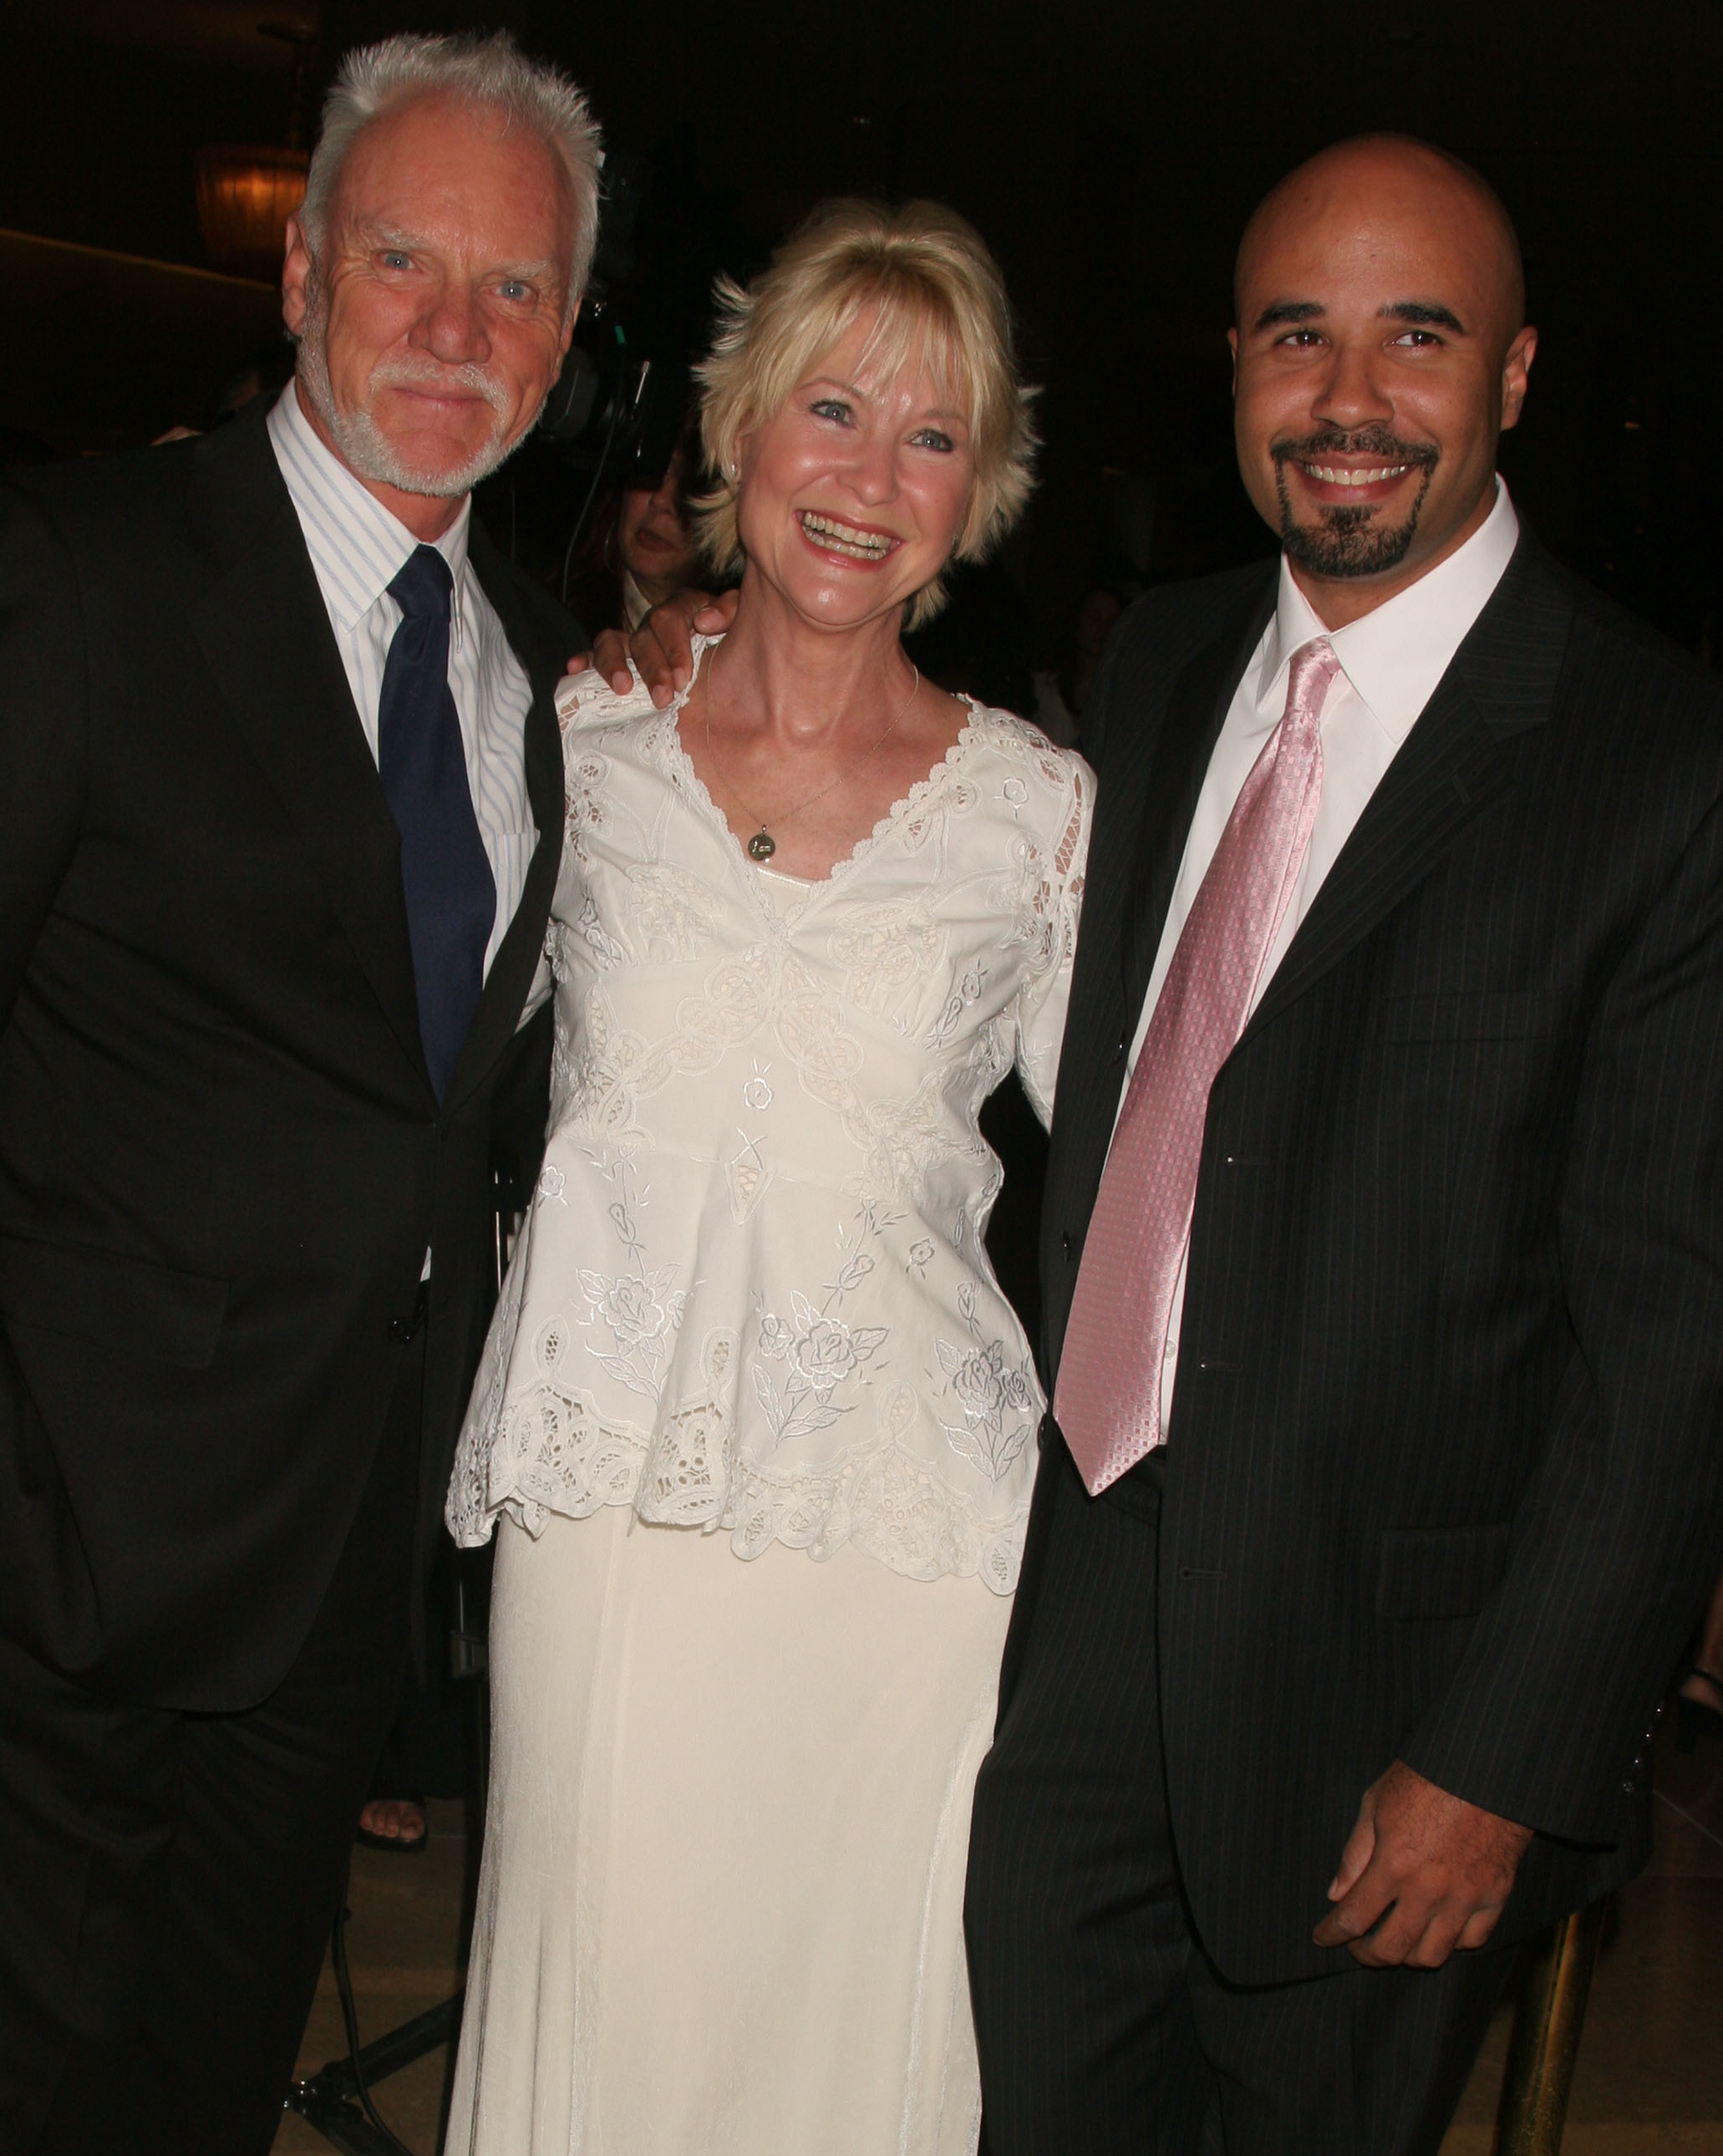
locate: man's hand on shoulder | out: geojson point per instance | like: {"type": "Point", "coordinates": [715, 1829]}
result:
{"type": "Point", "coordinates": [662, 645]}
{"type": "Point", "coordinates": [1421, 1873]}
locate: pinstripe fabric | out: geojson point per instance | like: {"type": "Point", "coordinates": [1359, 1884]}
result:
{"type": "Point", "coordinates": [1391, 660]}
{"type": "Point", "coordinates": [1443, 1478]}
{"type": "Point", "coordinates": [1078, 1969]}
{"type": "Point", "coordinates": [357, 549]}
{"type": "Point", "coordinates": [1103, 2026]}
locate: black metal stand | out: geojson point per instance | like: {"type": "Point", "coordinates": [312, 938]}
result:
{"type": "Point", "coordinates": [336, 2099]}
{"type": "Point", "coordinates": [329, 2100]}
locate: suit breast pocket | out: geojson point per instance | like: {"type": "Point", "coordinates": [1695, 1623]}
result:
{"type": "Point", "coordinates": [1439, 1572]}
{"type": "Point", "coordinates": [1471, 1014]}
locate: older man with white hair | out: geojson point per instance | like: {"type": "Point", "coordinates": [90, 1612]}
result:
{"type": "Point", "coordinates": [281, 815]}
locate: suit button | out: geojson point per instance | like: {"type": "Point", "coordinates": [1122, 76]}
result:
{"type": "Point", "coordinates": [1064, 1243]}
{"type": "Point", "coordinates": [402, 1330]}
{"type": "Point", "coordinates": [1627, 1788]}
{"type": "Point", "coordinates": [1123, 1048]}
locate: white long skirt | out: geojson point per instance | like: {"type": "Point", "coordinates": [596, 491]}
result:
{"type": "Point", "coordinates": [721, 1903]}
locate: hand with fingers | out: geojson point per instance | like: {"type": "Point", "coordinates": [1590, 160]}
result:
{"type": "Point", "coordinates": [662, 645]}
{"type": "Point", "coordinates": [1421, 1873]}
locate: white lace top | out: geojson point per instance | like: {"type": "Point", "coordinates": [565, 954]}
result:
{"type": "Point", "coordinates": [752, 1292]}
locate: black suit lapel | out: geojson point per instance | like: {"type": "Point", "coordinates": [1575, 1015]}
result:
{"type": "Point", "coordinates": [510, 979]}
{"type": "Point", "coordinates": [264, 632]}
{"type": "Point", "coordinates": [1197, 706]}
{"type": "Point", "coordinates": [1449, 769]}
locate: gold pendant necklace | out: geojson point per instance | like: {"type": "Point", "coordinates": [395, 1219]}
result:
{"type": "Point", "coordinates": [762, 845]}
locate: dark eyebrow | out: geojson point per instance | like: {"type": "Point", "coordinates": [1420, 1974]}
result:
{"type": "Point", "coordinates": [1424, 314]}
{"type": "Point", "coordinates": [1289, 311]}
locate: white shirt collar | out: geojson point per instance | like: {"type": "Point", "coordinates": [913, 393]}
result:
{"type": "Point", "coordinates": [636, 606]}
{"type": "Point", "coordinates": [357, 547]}
{"type": "Point", "coordinates": [1394, 656]}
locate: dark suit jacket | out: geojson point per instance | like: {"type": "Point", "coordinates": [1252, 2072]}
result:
{"type": "Point", "coordinates": [221, 1158]}
{"type": "Point", "coordinates": [1444, 1479]}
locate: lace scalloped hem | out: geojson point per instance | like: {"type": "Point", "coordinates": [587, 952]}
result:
{"type": "Point", "coordinates": [544, 1456]}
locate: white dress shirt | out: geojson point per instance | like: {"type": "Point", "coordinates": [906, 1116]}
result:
{"type": "Point", "coordinates": [636, 606]}
{"type": "Point", "coordinates": [358, 549]}
{"type": "Point", "coordinates": [1391, 660]}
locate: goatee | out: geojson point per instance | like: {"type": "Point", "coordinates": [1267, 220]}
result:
{"type": "Point", "coordinates": [1349, 542]}
{"type": "Point", "coordinates": [363, 445]}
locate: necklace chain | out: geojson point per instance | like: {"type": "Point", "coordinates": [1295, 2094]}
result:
{"type": "Point", "coordinates": [762, 845]}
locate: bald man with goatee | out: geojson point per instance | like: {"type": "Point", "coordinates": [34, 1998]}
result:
{"type": "Point", "coordinates": [1382, 1253]}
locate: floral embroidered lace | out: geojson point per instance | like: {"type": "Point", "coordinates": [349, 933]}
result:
{"type": "Point", "coordinates": [752, 1292]}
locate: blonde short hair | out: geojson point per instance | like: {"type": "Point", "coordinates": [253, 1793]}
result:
{"type": "Point", "coordinates": [937, 295]}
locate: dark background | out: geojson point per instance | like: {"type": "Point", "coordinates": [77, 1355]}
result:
{"type": "Point", "coordinates": [1109, 153]}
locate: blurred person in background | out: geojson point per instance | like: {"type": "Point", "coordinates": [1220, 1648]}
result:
{"type": "Point", "coordinates": [642, 551]}
{"type": "Point", "coordinates": [280, 818]}
{"type": "Point", "coordinates": [1063, 691]}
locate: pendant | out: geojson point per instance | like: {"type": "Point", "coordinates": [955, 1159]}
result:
{"type": "Point", "coordinates": [762, 845]}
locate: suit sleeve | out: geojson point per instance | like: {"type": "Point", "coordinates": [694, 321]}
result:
{"type": "Point", "coordinates": [44, 729]}
{"type": "Point", "coordinates": [1546, 1719]}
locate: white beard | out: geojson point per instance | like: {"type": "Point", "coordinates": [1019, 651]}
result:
{"type": "Point", "coordinates": [363, 445]}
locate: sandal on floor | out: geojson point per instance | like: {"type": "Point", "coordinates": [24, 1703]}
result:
{"type": "Point", "coordinates": [396, 1844]}
{"type": "Point", "coordinates": [1696, 1719]}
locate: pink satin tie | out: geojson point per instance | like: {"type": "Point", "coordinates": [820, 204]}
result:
{"type": "Point", "coordinates": [1108, 1399]}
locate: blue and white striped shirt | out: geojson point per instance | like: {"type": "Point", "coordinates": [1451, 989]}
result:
{"type": "Point", "coordinates": [357, 549]}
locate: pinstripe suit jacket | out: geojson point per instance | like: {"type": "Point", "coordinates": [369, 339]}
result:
{"type": "Point", "coordinates": [1444, 1480]}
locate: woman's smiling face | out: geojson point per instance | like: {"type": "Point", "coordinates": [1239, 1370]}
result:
{"type": "Point", "coordinates": [852, 497]}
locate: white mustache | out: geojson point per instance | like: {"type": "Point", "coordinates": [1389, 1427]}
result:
{"type": "Point", "coordinates": [426, 374]}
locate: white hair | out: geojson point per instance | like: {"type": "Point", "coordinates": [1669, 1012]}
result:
{"type": "Point", "coordinates": [491, 72]}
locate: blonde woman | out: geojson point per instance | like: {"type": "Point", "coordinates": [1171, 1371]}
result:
{"type": "Point", "coordinates": [757, 1425]}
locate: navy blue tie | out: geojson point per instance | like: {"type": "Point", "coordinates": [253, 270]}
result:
{"type": "Point", "coordinates": [445, 873]}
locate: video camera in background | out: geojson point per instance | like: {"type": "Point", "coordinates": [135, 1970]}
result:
{"type": "Point", "coordinates": [618, 412]}
{"type": "Point", "coordinates": [615, 412]}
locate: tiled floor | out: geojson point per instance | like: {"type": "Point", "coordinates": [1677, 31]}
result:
{"type": "Point", "coordinates": [1650, 2078]}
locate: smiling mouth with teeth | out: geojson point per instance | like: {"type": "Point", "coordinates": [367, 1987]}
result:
{"type": "Point", "coordinates": [1334, 476]}
{"type": "Point", "coordinates": [836, 537]}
